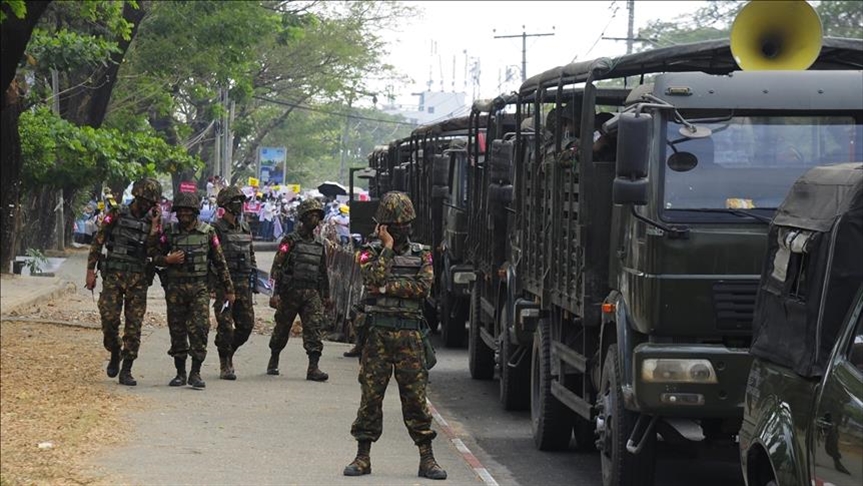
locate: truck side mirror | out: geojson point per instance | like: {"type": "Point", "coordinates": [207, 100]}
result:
{"type": "Point", "coordinates": [633, 156]}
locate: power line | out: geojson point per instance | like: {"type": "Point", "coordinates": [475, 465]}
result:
{"type": "Point", "coordinates": [330, 112]}
{"type": "Point", "coordinates": [614, 10]}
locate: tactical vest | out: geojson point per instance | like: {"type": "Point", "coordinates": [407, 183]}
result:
{"type": "Point", "coordinates": [304, 263]}
{"type": "Point", "coordinates": [196, 245]}
{"type": "Point", "coordinates": [127, 243]}
{"type": "Point", "coordinates": [237, 247]}
{"type": "Point", "coordinates": [405, 266]}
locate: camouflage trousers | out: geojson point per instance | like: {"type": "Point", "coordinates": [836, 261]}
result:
{"type": "Point", "coordinates": [385, 351]}
{"type": "Point", "coordinates": [235, 324]}
{"type": "Point", "coordinates": [124, 292]}
{"type": "Point", "coordinates": [308, 304]}
{"type": "Point", "coordinates": [188, 318]}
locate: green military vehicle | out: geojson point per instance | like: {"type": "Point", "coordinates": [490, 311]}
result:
{"type": "Point", "coordinates": [803, 413]}
{"type": "Point", "coordinates": [641, 265]}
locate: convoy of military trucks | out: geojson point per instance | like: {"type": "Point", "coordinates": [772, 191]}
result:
{"type": "Point", "coordinates": [599, 235]}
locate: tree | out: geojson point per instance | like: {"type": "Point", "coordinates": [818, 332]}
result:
{"type": "Point", "coordinates": [17, 22]}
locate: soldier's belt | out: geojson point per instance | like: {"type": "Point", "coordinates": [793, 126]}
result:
{"type": "Point", "coordinates": [394, 302]}
{"type": "Point", "coordinates": [124, 267]}
{"type": "Point", "coordinates": [394, 322]}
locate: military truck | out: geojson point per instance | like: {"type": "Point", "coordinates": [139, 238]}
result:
{"type": "Point", "coordinates": [438, 163]}
{"type": "Point", "coordinates": [803, 412]}
{"type": "Point", "coordinates": [638, 271]}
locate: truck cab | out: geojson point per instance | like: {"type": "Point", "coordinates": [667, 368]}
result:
{"type": "Point", "coordinates": [803, 408]}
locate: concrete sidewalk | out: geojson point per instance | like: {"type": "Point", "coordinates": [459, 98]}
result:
{"type": "Point", "coordinates": [259, 429]}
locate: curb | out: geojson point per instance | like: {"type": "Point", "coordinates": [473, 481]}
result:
{"type": "Point", "coordinates": [54, 292]}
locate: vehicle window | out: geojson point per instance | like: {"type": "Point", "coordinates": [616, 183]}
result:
{"type": "Point", "coordinates": [855, 353]}
{"type": "Point", "coordinates": [749, 162]}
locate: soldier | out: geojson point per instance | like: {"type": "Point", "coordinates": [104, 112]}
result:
{"type": "Point", "coordinates": [128, 233]}
{"type": "Point", "coordinates": [186, 250]}
{"type": "Point", "coordinates": [234, 324]}
{"type": "Point", "coordinates": [300, 285]}
{"type": "Point", "coordinates": [398, 276]}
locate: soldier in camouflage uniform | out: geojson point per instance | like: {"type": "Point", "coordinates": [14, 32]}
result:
{"type": "Point", "coordinates": [300, 285]}
{"type": "Point", "coordinates": [398, 276]}
{"type": "Point", "coordinates": [235, 323]}
{"type": "Point", "coordinates": [187, 249]}
{"type": "Point", "coordinates": [127, 233]}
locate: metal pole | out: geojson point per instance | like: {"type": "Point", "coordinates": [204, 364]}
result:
{"type": "Point", "coordinates": [524, 35]}
{"type": "Point", "coordinates": [630, 4]}
{"type": "Point", "coordinates": [285, 166]}
{"type": "Point", "coordinates": [60, 226]}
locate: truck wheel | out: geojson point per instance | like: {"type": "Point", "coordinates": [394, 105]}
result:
{"type": "Point", "coordinates": [452, 320]}
{"type": "Point", "coordinates": [550, 419]}
{"type": "Point", "coordinates": [514, 382]}
{"type": "Point", "coordinates": [614, 426]}
{"type": "Point", "coordinates": [480, 356]}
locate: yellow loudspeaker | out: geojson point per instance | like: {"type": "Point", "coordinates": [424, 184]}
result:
{"type": "Point", "coordinates": [776, 35]}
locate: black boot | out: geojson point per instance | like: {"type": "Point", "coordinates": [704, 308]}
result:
{"type": "Point", "coordinates": [231, 364]}
{"type": "Point", "coordinates": [195, 380]}
{"type": "Point", "coordinates": [126, 377]}
{"type": "Point", "coordinates": [114, 364]}
{"type": "Point", "coordinates": [314, 373]}
{"type": "Point", "coordinates": [429, 468]}
{"type": "Point", "coordinates": [273, 365]}
{"type": "Point", "coordinates": [180, 379]}
{"type": "Point", "coordinates": [362, 464]}
{"type": "Point", "coordinates": [353, 352]}
{"type": "Point", "coordinates": [225, 371]}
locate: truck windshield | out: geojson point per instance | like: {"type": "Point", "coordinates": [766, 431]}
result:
{"type": "Point", "coordinates": [750, 162]}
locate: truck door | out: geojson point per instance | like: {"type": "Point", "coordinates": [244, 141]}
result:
{"type": "Point", "coordinates": [837, 432]}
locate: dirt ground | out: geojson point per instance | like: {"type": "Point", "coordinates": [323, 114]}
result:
{"type": "Point", "coordinates": [55, 408]}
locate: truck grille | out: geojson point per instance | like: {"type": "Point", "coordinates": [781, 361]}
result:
{"type": "Point", "coordinates": [734, 303]}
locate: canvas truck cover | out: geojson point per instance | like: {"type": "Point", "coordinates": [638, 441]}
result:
{"type": "Point", "coordinates": [813, 269]}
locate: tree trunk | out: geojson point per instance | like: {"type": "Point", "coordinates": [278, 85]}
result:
{"type": "Point", "coordinates": [14, 37]}
{"type": "Point", "coordinates": [39, 230]}
{"type": "Point", "coordinates": [10, 182]}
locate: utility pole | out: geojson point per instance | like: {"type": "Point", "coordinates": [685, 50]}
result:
{"type": "Point", "coordinates": [60, 223]}
{"type": "Point", "coordinates": [524, 35]}
{"type": "Point", "coordinates": [630, 5]}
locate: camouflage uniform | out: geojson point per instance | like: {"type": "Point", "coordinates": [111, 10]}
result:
{"type": "Point", "coordinates": [186, 288]}
{"type": "Point", "coordinates": [300, 280]}
{"type": "Point", "coordinates": [127, 274]}
{"type": "Point", "coordinates": [234, 324]}
{"type": "Point", "coordinates": [397, 281]}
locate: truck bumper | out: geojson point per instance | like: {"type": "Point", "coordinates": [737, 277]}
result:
{"type": "Point", "coordinates": [719, 397]}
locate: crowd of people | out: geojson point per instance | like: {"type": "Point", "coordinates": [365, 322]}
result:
{"type": "Point", "coordinates": [197, 262]}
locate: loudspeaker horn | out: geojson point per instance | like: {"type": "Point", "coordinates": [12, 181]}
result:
{"type": "Point", "coordinates": [776, 35]}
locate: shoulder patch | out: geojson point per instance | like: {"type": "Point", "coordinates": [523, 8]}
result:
{"type": "Point", "coordinates": [284, 247]}
{"type": "Point", "coordinates": [364, 256]}
{"type": "Point", "coordinates": [215, 240]}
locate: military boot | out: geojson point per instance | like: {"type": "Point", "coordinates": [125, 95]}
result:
{"type": "Point", "coordinates": [362, 464]}
{"type": "Point", "coordinates": [126, 377]}
{"type": "Point", "coordinates": [429, 468]}
{"type": "Point", "coordinates": [314, 373]}
{"type": "Point", "coordinates": [195, 380]}
{"type": "Point", "coordinates": [225, 371]}
{"type": "Point", "coordinates": [114, 364]}
{"type": "Point", "coordinates": [353, 352]}
{"type": "Point", "coordinates": [180, 379]}
{"type": "Point", "coordinates": [231, 364]}
{"type": "Point", "coordinates": [273, 365]}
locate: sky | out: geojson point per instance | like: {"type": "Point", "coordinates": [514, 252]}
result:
{"type": "Point", "coordinates": [446, 29]}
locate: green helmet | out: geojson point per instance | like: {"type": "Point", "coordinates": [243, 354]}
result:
{"type": "Point", "coordinates": [228, 194]}
{"type": "Point", "coordinates": [147, 188]}
{"type": "Point", "coordinates": [395, 207]}
{"type": "Point", "coordinates": [308, 205]}
{"type": "Point", "coordinates": [186, 200]}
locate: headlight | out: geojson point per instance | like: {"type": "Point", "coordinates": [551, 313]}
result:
{"type": "Point", "coordinates": [678, 371]}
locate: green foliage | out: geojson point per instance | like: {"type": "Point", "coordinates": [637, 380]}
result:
{"type": "Point", "coordinates": [18, 8]}
{"type": "Point", "coordinates": [36, 260]}
{"type": "Point", "coordinates": [57, 152]}
{"type": "Point", "coordinates": [841, 18]}
{"type": "Point", "coordinates": [64, 49]}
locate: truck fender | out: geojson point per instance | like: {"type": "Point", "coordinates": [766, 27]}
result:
{"type": "Point", "coordinates": [774, 436]}
{"type": "Point", "coordinates": [616, 329]}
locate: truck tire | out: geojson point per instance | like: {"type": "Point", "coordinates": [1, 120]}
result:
{"type": "Point", "coordinates": [619, 467]}
{"type": "Point", "coordinates": [551, 421]}
{"type": "Point", "coordinates": [514, 381]}
{"type": "Point", "coordinates": [480, 356]}
{"type": "Point", "coordinates": [452, 320]}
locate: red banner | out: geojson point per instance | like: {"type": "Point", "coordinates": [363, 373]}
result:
{"type": "Point", "coordinates": [187, 186]}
